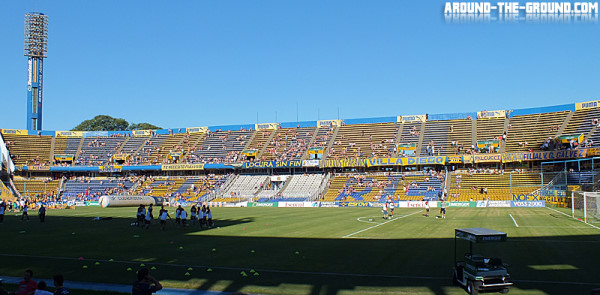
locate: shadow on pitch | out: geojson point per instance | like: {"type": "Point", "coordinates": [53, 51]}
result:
{"type": "Point", "coordinates": [310, 266]}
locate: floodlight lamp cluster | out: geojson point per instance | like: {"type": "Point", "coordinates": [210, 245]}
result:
{"type": "Point", "coordinates": [36, 35]}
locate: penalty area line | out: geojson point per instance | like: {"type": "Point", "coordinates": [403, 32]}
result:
{"type": "Point", "coordinates": [573, 218]}
{"type": "Point", "coordinates": [511, 217]}
{"type": "Point", "coordinates": [374, 226]}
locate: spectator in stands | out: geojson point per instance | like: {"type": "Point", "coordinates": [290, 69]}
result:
{"type": "Point", "coordinates": [145, 284]}
{"type": "Point", "coordinates": [58, 284]}
{"type": "Point", "coordinates": [3, 291]}
{"type": "Point", "coordinates": [27, 286]}
{"type": "Point", "coordinates": [41, 289]}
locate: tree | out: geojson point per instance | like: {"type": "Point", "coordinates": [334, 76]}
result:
{"type": "Point", "coordinates": [142, 126]}
{"type": "Point", "coordinates": [102, 123]}
{"type": "Point", "coordinates": [108, 123]}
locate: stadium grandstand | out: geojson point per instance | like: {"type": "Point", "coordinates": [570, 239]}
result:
{"type": "Point", "coordinates": [486, 155]}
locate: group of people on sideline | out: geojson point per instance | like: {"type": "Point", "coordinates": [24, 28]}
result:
{"type": "Point", "coordinates": [198, 215]}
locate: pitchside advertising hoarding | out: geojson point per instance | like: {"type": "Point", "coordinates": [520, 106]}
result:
{"type": "Point", "coordinates": [134, 201]}
{"type": "Point", "coordinates": [528, 203]}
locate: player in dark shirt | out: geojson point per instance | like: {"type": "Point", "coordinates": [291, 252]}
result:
{"type": "Point", "coordinates": [42, 213]}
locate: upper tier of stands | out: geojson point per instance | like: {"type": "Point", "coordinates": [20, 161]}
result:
{"type": "Point", "coordinates": [530, 131]}
{"type": "Point", "coordinates": [288, 144]}
{"type": "Point", "coordinates": [525, 130]}
{"type": "Point", "coordinates": [489, 129]}
{"type": "Point", "coordinates": [460, 136]}
{"type": "Point", "coordinates": [410, 132]}
{"type": "Point", "coordinates": [364, 141]}
{"type": "Point", "coordinates": [29, 149]}
{"type": "Point", "coordinates": [98, 151]}
{"type": "Point", "coordinates": [222, 147]}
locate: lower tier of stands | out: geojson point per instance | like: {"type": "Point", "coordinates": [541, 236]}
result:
{"type": "Point", "coordinates": [342, 187]}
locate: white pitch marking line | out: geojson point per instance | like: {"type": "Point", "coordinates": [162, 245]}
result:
{"type": "Point", "coordinates": [360, 219]}
{"type": "Point", "coordinates": [374, 226]}
{"type": "Point", "coordinates": [573, 218]}
{"type": "Point", "coordinates": [511, 217]}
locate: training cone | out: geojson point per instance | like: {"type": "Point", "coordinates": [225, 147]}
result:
{"type": "Point", "coordinates": [210, 269]}
{"type": "Point", "coordinates": [85, 266]}
{"type": "Point", "coordinates": [171, 242]}
{"type": "Point", "coordinates": [129, 269]}
{"type": "Point", "coordinates": [189, 268]}
{"type": "Point", "coordinates": [22, 232]}
{"type": "Point", "coordinates": [97, 263]}
{"type": "Point", "coordinates": [255, 274]}
{"type": "Point", "coordinates": [252, 271]}
{"type": "Point", "coordinates": [244, 274]}
{"type": "Point", "coordinates": [243, 228]}
{"type": "Point", "coordinates": [297, 253]}
{"type": "Point", "coordinates": [153, 268]}
{"type": "Point", "coordinates": [214, 250]}
{"type": "Point", "coordinates": [111, 260]}
{"type": "Point", "coordinates": [180, 247]}
{"type": "Point", "coordinates": [80, 258]}
{"type": "Point", "coordinates": [142, 264]}
{"type": "Point", "coordinates": [252, 251]}
{"type": "Point", "coordinates": [72, 233]}
{"type": "Point", "coordinates": [187, 273]}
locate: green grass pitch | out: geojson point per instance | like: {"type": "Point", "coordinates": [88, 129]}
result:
{"type": "Point", "coordinates": [304, 250]}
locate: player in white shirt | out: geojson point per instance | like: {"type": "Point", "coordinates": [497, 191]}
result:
{"type": "Point", "coordinates": [203, 216]}
{"type": "Point", "coordinates": [209, 217]}
{"type": "Point", "coordinates": [194, 213]}
{"type": "Point", "coordinates": [178, 215]}
{"type": "Point", "coordinates": [148, 220]}
{"type": "Point", "coordinates": [183, 216]}
{"type": "Point", "coordinates": [163, 217]}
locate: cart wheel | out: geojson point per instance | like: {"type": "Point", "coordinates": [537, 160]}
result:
{"type": "Point", "coordinates": [471, 288]}
{"type": "Point", "coordinates": [504, 291]}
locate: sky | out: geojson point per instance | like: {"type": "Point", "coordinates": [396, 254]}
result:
{"type": "Point", "coordinates": [207, 63]}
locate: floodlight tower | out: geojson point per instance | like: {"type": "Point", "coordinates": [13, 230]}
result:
{"type": "Point", "coordinates": [36, 47]}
